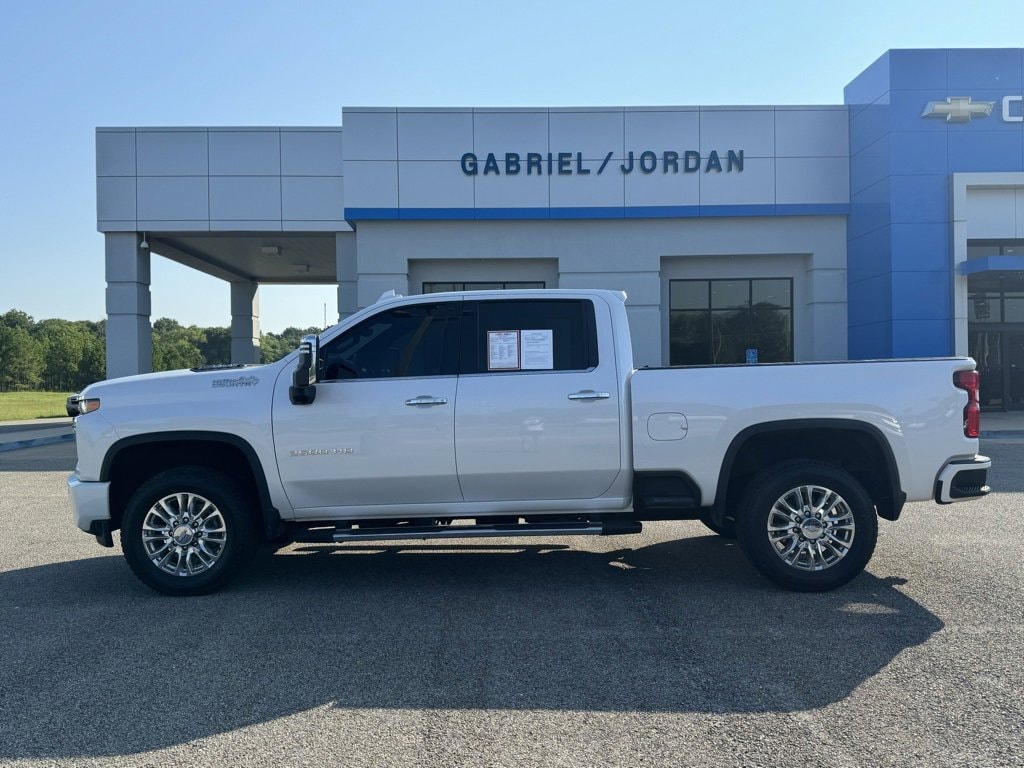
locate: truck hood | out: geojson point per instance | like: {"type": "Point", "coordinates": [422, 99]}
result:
{"type": "Point", "coordinates": [185, 395]}
{"type": "Point", "coordinates": [185, 380]}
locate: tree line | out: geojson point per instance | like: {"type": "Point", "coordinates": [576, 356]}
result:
{"type": "Point", "coordinates": [66, 355]}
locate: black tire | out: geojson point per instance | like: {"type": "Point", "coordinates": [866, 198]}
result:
{"type": "Point", "coordinates": [232, 548]}
{"type": "Point", "coordinates": [726, 530]}
{"type": "Point", "coordinates": [810, 540]}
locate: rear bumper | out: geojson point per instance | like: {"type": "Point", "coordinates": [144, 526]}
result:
{"type": "Point", "coordinates": [963, 479]}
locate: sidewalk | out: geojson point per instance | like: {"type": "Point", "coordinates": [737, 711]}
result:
{"type": "Point", "coordinates": [27, 434]}
{"type": "Point", "coordinates": [1002, 423]}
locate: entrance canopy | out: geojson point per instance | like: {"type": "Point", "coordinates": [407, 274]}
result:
{"type": "Point", "coordinates": [294, 257]}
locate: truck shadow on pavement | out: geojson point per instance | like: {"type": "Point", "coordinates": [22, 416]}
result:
{"type": "Point", "coordinates": [95, 664]}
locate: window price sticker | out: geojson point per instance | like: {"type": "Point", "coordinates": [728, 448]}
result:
{"type": "Point", "coordinates": [503, 350]}
{"type": "Point", "coordinates": [538, 350]}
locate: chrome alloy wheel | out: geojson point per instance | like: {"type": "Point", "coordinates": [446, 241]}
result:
{"type": "Point", "coordinates": [811, 527]}
{"type": "Point", "coordinates": [184, 534]}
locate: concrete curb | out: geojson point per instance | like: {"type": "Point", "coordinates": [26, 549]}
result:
{"type": "Point", "coordinates": [34, 441]}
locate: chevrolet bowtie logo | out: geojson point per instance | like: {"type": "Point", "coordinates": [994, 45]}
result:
{"type": "Point", "coordinates": [958, 109]}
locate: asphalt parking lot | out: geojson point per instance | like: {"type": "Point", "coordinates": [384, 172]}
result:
{"type": "Point", "coordinates": [664, 648]}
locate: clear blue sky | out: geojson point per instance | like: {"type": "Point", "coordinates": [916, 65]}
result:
{"type": "Point", "coordinates": [67, 67]}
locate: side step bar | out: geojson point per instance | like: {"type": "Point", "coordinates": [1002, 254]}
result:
{"type": "Point", "coordinates": [500, 530]}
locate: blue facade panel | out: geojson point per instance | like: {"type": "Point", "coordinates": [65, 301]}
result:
{"type": "Point", "coordinates": [922, 246]}
{"type": "Point", "coordinates": [873, 297]}
{"type": "Point", "coordinates": [612, 212]}
{"type": "Point", "coordinates": [922, 295]}
{"type": "Point", "coordinates": [996, 68]}
{"type": "Point", "coordinates": [918, 116]}
{"type": "Point", "coordinates": [870, 254]}
{"type": "Point", "coordinates": [924, 152]}
{"type": "Point", "coordinates": [914, 69]}
{"type": "Point", "coordinates": [871, 341]}
{"type": "Point", "coordinates": [919, 198]}
{"type": "Point", "coordinates": [869, 124]}
{"type": "Point", "coordinates": [869, 208]}
{"type": "Point", "coordinates": [986, 151]}
{"type": "Point", "coordinates": [921, 338]}
{"type": "Point", "coordinates": [872, 165]}
{"type": "Point", "coordinates": [869, 85]}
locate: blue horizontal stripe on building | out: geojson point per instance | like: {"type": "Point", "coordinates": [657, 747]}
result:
{"type": "Point", "coordinates": [610, 212]}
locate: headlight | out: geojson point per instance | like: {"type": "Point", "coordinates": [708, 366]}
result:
{"type": "Point", "coordinates": [78, 405]}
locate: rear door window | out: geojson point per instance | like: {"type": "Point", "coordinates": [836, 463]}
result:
{"type": "Point", "coordinates": [544, 334]}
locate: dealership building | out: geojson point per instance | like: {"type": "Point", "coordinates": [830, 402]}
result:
{"type": "Point", "coordinates": [891, 225]}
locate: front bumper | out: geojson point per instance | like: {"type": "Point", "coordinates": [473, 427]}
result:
{"type": "Point", "coordinates": [90, 502]}
{"type": "Point", "coordinates": [963, 479]}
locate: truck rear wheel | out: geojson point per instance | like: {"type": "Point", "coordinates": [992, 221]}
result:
{"type": "Point", "coordinates": [807, 526]}
{"type": "Point", "coordinates": [186, 531]}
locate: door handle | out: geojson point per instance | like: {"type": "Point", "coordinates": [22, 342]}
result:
{"type": "Point", "coordinates": [427, 400]}
{"type": "Point", "coordinates": [589, 394]}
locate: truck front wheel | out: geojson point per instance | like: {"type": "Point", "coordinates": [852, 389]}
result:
{"type": "Point", "coordinates": [185, 531]}
{"type": "Point", "coordinates": [807, 526]}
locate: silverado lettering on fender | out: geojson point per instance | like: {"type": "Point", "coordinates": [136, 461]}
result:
{"type": "Point", "coordinates": [515, 413]}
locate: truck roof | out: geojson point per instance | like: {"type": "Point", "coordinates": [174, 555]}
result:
{"type": "Point", "coordinates": [389, 296]}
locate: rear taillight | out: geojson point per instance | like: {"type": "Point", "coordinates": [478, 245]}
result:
{"type": "Point", "coordinates": [970, 381]}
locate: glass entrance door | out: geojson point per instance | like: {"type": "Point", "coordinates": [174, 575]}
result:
{"type": "Point", "coordinates": [1000, 358]}
{"type": "Point", "coordinates": [995, 332]}
{"type": "Point", "coordinates": [986, 347]}
{"type": "Point", "coordinates": [1014, 370]}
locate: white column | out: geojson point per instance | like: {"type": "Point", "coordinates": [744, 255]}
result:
{"type": "Point", "coordinates": [129, 333]}
{"type": "Point", "coordinates": [348, 273]}
{"type": "Point", "coordinates": [961, 313]}
{"type": "Point", "coordinates": [643, 291]}
{"type": "Point", "coordinates": [245, 322]}
{"type": "Point", "coordinates": [824, 329]}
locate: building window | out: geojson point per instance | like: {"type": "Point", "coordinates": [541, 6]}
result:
{"type": "Point", "coordinates": [978, 249]}
{"type": "Point", "coordinates": [717, 321]}
{"type": "Point", "coordinates": [993, 307]}
{"type": "Point", "coordinates": [985, 307]}
{"type": "Point", "coordinates": [480, 286]}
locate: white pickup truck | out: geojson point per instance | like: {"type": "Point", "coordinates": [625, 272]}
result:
{"type": "Point", "coordinates": [515, 413]}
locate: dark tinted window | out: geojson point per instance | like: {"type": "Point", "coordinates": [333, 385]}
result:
{"type": "Point", "coordinates": [502, 286]}
{"type": "Point", "coordinates": [571, 322]}
{"type": "Point", "coordinates": [718, 321]}
{"type": "Point", "coordinates": [420, 340]}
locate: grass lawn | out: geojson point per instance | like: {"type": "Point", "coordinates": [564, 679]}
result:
{"type": "Point", "coordinates": [31, 405]}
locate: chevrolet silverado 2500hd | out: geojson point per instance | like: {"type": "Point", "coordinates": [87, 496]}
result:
{"type": "Point", "coordinates": [515, 413]}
